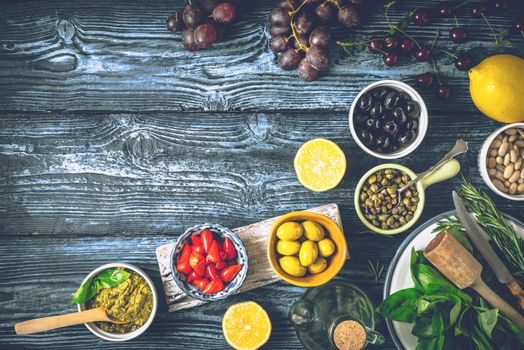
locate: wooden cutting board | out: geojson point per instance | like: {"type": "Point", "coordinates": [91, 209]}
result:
{"type": "Point", "coordinates": [260, 272]}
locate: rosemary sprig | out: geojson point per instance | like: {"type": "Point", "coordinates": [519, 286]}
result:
{"type": "Point", "coordinates": [496, 226]}
{"type": "Point", "coordinates": [376, 269]}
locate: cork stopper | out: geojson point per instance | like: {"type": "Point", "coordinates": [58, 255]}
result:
{"type": "Point", "coordinates": [349, 335]}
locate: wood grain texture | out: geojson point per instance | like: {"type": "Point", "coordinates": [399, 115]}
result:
{"type": "Point", "coordinates": [89, 55]}
{"type": "Point", "coordinates": [78, 190]}
{"type": "Point", "coordinates": [255, 238]}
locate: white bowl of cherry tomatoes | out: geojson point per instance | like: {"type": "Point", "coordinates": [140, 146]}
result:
{"type": "Point", "coordinates": [209, 262]}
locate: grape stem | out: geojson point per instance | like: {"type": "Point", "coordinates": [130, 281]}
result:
{"type": "Point", "coordinates": [292, 24]}
{"type": "Point", "coordinates": [491, 29]}
{"type": "Point", "coordinates": [334, 2]}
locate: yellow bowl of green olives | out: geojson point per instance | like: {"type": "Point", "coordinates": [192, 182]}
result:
{"type": "Point", "coordinates": [306, 249]}
{"type": "Point", "coordinates": [382, 209]}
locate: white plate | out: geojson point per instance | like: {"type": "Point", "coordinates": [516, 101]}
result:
{"type": "Point", "coordinates": [399, 276]}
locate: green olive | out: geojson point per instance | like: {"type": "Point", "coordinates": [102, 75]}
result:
{"type": "Point", "coordinates": [313, 230]}
{"type": "Point", "coordinates": [288, 247]}
{"type": "Point", "coordinates": [319, 266]}
{"type": "Point", "coordinates": [291, 266]}
{"type": "Point", "coordinates": [290, 231]}
{"type": "Point", "coordinates": [326, 247]}
{"type": "Point", "coordinates": [308, 253]}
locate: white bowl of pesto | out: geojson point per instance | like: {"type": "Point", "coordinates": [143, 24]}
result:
{"type": "Point", "coordinates": [133, 284]}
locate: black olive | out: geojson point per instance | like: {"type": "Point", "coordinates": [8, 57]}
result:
{"type": "Point", "coordinates": [391, 100]}
{"type": "Point", "coordinates": [412, 109]}
{"type": "Point", "coordinates": [383, 141]}
{"type": "Point", "coordinates": [380, 92]}
{"type": "Point", "coordinates": [383, 118]}
{"type": "Point", "coordinates": [399, 116]}
{"type": "Point", "coordinates": [373, 124]}
{"type": "Point", "coordinates": [360, 119]}
{"type": "Point", "coordinates": [404, 97]}
{"type": "Point", "coordinates": [406, 137]}
{"type": "Point", "coordinates": [365, 102]}
{"type": "Point", "coordinates": [390, 127]}
{"type": "Point", "coordinates": [376, 109]}
{"type": "Point", "coordinates": [366, 137]}
{"type": "Point", "coordinates": [412, 125]}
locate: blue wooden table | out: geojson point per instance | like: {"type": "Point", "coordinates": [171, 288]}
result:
{"type": "Point", "coordinates": [114, 139]}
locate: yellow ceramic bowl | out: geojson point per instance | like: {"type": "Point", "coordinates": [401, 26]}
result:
{"type": "Point", "coordinates": [336, 261]}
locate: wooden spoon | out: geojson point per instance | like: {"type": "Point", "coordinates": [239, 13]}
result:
{"type": "Point", "coordinates": [52, 322]}
{"type": "Point", "coordinates": [461, 268]}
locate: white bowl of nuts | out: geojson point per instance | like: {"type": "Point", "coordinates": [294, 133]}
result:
{"type": "Point", "coordinates": [501, 161]}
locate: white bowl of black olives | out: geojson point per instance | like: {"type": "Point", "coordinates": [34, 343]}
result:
{"type": "Point", "coordinates": [388, 119]}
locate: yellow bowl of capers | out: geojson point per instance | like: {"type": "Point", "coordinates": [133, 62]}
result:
{"type": "Point", "coordinates": [306, 249]}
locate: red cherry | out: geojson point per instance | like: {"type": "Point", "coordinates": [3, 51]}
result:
{"type": "Point", "coordinates": [407, 46]}
{"type": "Point", "coordinates": [376, 45]}
{"type": "Point", "coordinates": [391, 42]}
{"type": "Point", "coordinates": [458, 35]}
{"type": "Point", "coordinates": [390, 59]}
{"type": "Point", "coordinates": [423, 54]}
{"type": "Point", "coordinates": [478, 10]}
{"type": "Point", "coordinates": [445, 9]}
{"type": "Point", "coordinates": [518, 25]}
{"type": "Point", "coordinates": [420, 17]}
{"type": "Point", "coordinates": [444, 91]}
{"type": "Point", "coordinates": [425, 79]}
{"type": "Point", "coordinates": [464, 63]}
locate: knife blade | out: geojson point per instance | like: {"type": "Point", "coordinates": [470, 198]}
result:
{"type": "Point", "coordinates": [481, 239]}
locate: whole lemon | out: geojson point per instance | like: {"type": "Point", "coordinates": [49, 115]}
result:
{"type": "Point", "coordinates": [313, 230]}
{"type": "Point", "coordinates": [308, 253]}
{"type": "Point", "coordinates": [290, 231]}
{"type": "Point", "coordinates": [291, 266]}
{"type": "Point", "coordinates": [326, 247]}
{"type": "Point", "coordinates": [496, 89]}
{"type": "Point", "coordinates": [319, 266]}
{"type": "Point", "coordinates": [288, 247]}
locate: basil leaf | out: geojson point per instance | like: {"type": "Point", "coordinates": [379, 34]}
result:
{"type": "Point", "coordinates": [427, 343]}
{"type": "Point", "coordinates": [437, 322]}
{"type": "Point", "coordinates": [455, 313]}
{"type": "Point", "coordinates": [488, 320]}
{"type": "Point", "coordinates": [423, 328]}
{"type": "Point", "coordinates": [401, 306]}
{"type": "Point", "coordinates": [109, 278]}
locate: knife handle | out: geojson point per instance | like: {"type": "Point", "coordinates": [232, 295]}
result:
{"type": "Point", "coordinates": [517, 291]}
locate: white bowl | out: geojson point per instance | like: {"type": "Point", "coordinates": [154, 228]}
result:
{"type": "Point", "coordinates": [422, 125]}
{"type": "Point", "coordinates": [483, 169]}
{"type": "Point", "coordinates": [124, 336]}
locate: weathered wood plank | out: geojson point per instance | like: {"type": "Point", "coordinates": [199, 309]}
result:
{"type": "Point", "coordinates": [40, 275]}
{"type": "Point", "coordinates": [86, 174]}
{"type": "Point", "coordinates": [89, 55]}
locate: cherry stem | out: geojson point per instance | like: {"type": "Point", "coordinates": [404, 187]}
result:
{"type": "Point", "coordinates": [436, 71]}
{"type": "Point", "coordinates": [456, 20]}
{"type": "Point", "coordinates": [491, 29]}
{"type": "Point", "coordinates": [461, 4]}
{"type": "Point", "coordinates": [448, 53]}
{"type": "Point", "coordinates": [435, 39]}
{"type": "Point", "coordinates": [522, 32]}
{"type": "Point", "coordinates": [406, 35]}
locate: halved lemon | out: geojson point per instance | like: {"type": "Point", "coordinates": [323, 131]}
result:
{"type": "Point", "coordinates": [320, 165]}
{"type": "Point", "coordinates": [246, 326]}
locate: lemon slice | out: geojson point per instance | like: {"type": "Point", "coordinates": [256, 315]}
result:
{"type": "Point", "coordinates": [320, 165]}
{"type": "Point", "coordinates": [246, 326]}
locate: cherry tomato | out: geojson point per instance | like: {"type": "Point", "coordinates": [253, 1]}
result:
{"type": "Point", "coordinates": [198, 263]}
{"type": "Point", "coordinates": [201, 283]}
{"type": "Point", "coordinates": [221, 265]}
{"type": "Point", "coordinates": [212, 272]}
{"type": "Point", "coordinates": [230, 249]}
{"type": "Point", "coordinates": [214, 286]}
{"type": "Point", "coordinates": [182, 264]}
{"type": "Point", "coordinates": [213, 255]}
{"type": "Point", "coordinates": [197, 245]}
{"type": "Point", "coordinates": [230, 272]}
{"type": "Point", "coordinates": [192, 276]}
{"type": "Point", "coordinates": [207, 239]}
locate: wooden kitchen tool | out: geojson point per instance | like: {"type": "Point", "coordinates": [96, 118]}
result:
{"type": "Point", "coordinates": [461, 268]}
{"type": "Point", "coordinates": [255, 239]}
{"type": "Point", "coordinates": [43, 324]}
